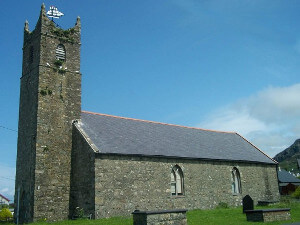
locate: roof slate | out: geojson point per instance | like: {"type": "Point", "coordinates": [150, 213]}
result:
{"type": "Point", "coordinates": [118, 135]}
{"type": "Point", "coordinates": [286, 177]}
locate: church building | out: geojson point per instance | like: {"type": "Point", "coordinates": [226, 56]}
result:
{"type": "Point", "coordinates": [110, 165]}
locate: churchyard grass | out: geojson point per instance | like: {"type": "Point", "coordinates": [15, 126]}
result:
{"type": "Point", "coordinates": [220, 216]}
{"type": "Point", "coordinates": [234, 216]}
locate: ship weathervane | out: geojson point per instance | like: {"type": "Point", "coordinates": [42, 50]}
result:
{"type": "Point", "coordinates": [54, 13]}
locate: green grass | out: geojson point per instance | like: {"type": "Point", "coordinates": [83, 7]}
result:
{"type": "Point", "coordinates": [234, 216]}
{"type": "Point", "coordinates": [222, 216]}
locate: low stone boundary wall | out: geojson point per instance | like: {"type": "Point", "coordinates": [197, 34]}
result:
{"type": "Point", "coordinates": [162, 217]}
{"type": "Point", "coordinates": [268, 215]}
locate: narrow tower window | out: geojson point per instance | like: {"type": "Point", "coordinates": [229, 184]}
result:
{"type": "Point", "coordinates": [60, 52]}
{"type": "Point", "coordinates": [176, 181]}
{"type": "Point", "coordinates": [236, 181]}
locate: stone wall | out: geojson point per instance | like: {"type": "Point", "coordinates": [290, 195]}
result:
{"type": "Point", "coordinates": [163, 217]}
{"type": "Point", "coordinates": [59, 103]}
{"type": "Point", "coordinates": [50, 100]}
{"type": "Point", "coordinates": [28, 107]}
{"type": "Point", "coordinates": [124, 184]}
{"type": "Point", "coordinates": [82, 193]}
{"type": "Point", "coordinates": [24, 185]}
{"type": "Point", "coordinates": [277, 216]}
{"type": "Point", "coordinates": [268, 215]}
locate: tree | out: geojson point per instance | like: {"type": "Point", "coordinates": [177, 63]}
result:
{"type": "Point", "coordinates": [5, 214]}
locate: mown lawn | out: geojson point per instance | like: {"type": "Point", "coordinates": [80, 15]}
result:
{"type": "Point", "coordinates": [234, 216]}
{"type": "Point", "coordinates": [222, 216]}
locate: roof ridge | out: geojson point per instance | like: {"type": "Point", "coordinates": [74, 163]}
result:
{"type": "Point", "coordinates": [149, 121]}
{"type": "Point", "coordinates": [258, 149]}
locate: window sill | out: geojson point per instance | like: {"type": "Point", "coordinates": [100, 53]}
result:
{"type": "Point", "coordinates": [177, 196]}
{"type": "Point", "coordinates": [237, 194]}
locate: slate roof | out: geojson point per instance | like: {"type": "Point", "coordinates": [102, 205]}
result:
{"type": "Point", "coordinates": [119, 135]}
{"type": "Point", "coordinates": [286, 177]}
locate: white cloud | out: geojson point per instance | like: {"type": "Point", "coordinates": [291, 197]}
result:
{"type": "Point", "coordinates": [270, 119]}
{"type": "Point", "coordinates": [229, 119]}
{"type": "Point", "coordinates": [279, 104]}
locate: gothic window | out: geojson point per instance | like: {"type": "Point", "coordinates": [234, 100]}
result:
{"type": "Point", "coordinates": [176, 181]}
{"type": "Point", "coordinates": [60, 52]}
{"type": "Point", "coordinates": [236, 181]}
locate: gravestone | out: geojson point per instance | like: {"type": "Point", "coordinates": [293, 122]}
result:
{"type": "Point", "coordinates": [247, 203]}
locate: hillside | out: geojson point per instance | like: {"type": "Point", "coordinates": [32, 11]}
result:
{"type": "Point", "coordinates": [288, 158]}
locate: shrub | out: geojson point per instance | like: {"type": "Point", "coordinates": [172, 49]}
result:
{"type": "Point", "coordinates": [79, 213]}
{"type": "Point", "coordinates": [222, 205]}
{"type": "Point", "coordinates": [285, 201]}
{"type": "Point", "coordinates": [58, 63]}
{"type": "Point", "coordinates": [296, 194]}
{"type": "Point", "coordinates": [5, 214]}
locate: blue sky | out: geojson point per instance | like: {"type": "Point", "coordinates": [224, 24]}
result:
{"type": "Point", "coordinates": [223, 65]}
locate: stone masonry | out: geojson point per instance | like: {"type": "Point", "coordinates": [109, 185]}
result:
{"type": "Point", "coordinates": [50, 99]}
{"type": "Point", "coordinates": [268, 215]}
{"type": "Point", "coordinates": [163, 217]}
{"type": "Point", "coordinates": [123, 184]}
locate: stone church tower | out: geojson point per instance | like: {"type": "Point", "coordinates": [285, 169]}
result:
{"type": "Point", "coordinates": [50, 99]}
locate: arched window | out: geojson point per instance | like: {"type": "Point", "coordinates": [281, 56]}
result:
{"type": "Point", "coordinates": [60, 52]}
{"type": "Point", "coordinates": [236, 181]}
{"type": "Point", "coordinates": [177, 181]}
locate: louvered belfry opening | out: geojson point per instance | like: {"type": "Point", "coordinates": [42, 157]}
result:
{"type": "Point", "coordinates": [60, 52]}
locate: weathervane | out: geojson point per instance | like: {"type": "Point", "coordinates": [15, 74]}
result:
{"type": "Point", "coordinates": [54, 13]}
